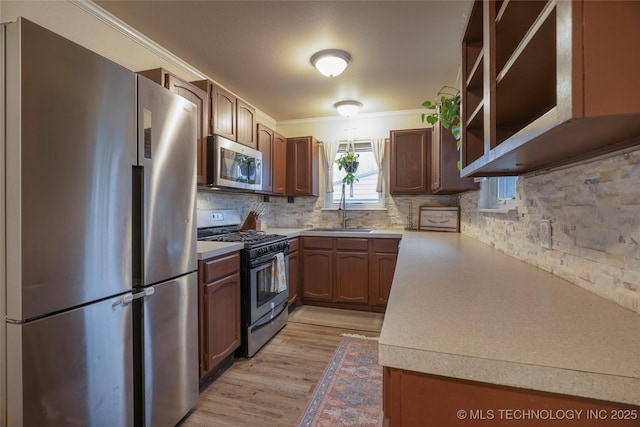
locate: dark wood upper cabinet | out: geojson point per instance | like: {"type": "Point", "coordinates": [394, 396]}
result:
{"type": "Point", "coordinates": [201, 99]}
{"type": "Point", "coordinates": [273, 147]}
{"type": "Point", "coordinates": [302, 166]}
{"type": "Point", "coordinates": [265, 145]}
{"type": "Point", "coordinates": [246, 124]}
{"type": "Point", "coordinates": [410, 152]}
{"type": "Point", "coordinates": [279, 164]}
{"type": "Point", "coordinates": [223, 113]}
{"type": "Point", "coordinates": [539, 83]}
{"type": "Point", "coordinates": [222, 110]}
{"type": "Point", "coordinates": [445, 175]}
{"type": "Point", "coordinates": [229, 116]}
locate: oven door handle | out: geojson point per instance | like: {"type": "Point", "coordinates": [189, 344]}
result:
{"type": "Point", "coordinates": [261, 324]}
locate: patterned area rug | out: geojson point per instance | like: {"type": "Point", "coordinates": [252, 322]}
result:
{"type": "Point", "coordinates": [350, 390]}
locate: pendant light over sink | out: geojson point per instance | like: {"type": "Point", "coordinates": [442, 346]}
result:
{"type": "Point", "coordinates": [331, 62]}
{"type": "Point", "coordinates": [348, 108]}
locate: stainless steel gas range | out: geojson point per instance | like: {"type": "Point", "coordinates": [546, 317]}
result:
{"type": "Point", "coordinates": [264, 275]}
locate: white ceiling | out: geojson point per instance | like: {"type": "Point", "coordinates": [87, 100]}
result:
{"type": "Point", "coordinates": [402, 52]}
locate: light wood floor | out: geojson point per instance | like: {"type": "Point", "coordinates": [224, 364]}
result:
{"type": "Point", "coordinates": [272, 388]}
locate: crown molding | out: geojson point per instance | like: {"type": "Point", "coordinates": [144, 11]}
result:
{"type": "Point", "coordinates": [126, 30]}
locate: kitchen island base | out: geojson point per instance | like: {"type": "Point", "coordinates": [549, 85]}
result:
{"type": "Point", "coordinates": [413, 399]}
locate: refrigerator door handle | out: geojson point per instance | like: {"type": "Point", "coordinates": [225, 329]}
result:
{"type": "Point", "coordinates": [125, 300]}
{"type": "Point", "coordinates": [147, 292]}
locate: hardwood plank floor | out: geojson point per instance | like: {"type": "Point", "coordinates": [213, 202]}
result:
{"type": "Point", "coordinates": [272, 388]}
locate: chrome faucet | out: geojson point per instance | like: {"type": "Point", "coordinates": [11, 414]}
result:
{"type": "Point", "coordinates": [343, 207]}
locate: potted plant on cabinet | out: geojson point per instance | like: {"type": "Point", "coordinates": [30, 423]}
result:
{"type": "Point", "coordinates": [446, 109]}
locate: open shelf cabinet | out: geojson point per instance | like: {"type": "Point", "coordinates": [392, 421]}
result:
{"type": "Point", "coordinates": [547, 83]}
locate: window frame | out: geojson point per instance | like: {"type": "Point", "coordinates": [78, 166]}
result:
{"type": "Point", "coordinates": [329, 204]}
{"type": "Point", "coordinates": [489, 200]}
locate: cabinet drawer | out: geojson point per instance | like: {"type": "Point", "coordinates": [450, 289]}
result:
{"type": "Point", "coordinates": [217, 268]}
{"type": "Point", "coordinates": [294, 245]}
{"type": "Point", "coordinates": [385, 245]}
{"type": "Point", "coordinates": [352, 244]}
{"type": "Point", "coordinates": [318, 242]}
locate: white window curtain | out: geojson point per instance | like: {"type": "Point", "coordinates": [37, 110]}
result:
{"type": "Point", "coordinates": [377, 146]}
{"type": "Point", "coordinates": [330, 152]}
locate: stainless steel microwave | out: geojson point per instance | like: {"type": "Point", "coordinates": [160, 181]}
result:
{"type": "Point", "coordinates": [233, 165]}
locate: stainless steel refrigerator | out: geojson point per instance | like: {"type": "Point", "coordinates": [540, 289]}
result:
{"type": "Point", "coordinates": [99, 240]}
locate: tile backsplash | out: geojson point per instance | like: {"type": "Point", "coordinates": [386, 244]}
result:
{"type": "Point", "coordinates": [594, 211]}
{"type": "Point", "coordinates": [308, 212]}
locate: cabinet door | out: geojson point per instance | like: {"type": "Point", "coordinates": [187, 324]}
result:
{"type": "Point", "coordinates": [352, 277]}
{"type": "Point", "coordinates": [265, 145]}
{"type": "Point", "coordinates": [223, 114]}
{"type": "Point", "coordinates": [445, 175]}
{"type": "Point", "coordinates": [200, 99]}
{"type": "Point", "coordinates": [222, 320]}
{"type": "Point", "coordinates": [302, 162]}
{"type": "Point", "coordinates": [382, 270]}
{"type": "Point", "coordinates": [246, 124]}
{"type": "Point", "coordinates": [409, 161]}
{"type": "Point", "coordinates": [279, 165]}
{"type": "Point", "coordinates": [318, 274]}
{"type": "Point", "coordinates": [293, 281]}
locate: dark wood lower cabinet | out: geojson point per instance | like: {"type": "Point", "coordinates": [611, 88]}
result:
{"type": "Point", "coordinates": [352, 277]}
{"type": "Point", "coordinates": [293, 280]}
{"type": "Point", "coordinates": [412, 399]}
{"type": "Point", "coordinates": [348, 272]}
{"type": "Point", "coordinates": [383, 266]}
{"type": "Point", "coordinates": [318, 274]}
{"type": "Point", "coordinates": [219, 312]}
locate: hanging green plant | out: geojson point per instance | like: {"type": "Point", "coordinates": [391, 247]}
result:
{"type": "Point", "coordinates": [349, 162]}
{"type": "Point", "coordinates": [446, 110]}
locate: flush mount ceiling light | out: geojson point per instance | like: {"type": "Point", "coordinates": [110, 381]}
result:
{"type": "Point", "coordinates": [348, 108]}
{"type": "Point", "coordinates": [331, 62]}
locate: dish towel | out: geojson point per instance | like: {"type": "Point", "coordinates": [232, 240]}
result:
{"type": "Point", "coordinates": [279, 273]}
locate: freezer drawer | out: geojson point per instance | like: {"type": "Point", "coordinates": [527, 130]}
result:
{"type": "Point", "coordinates": [170, 351]}
{"type": "Point", "coordinates": [73, 368]}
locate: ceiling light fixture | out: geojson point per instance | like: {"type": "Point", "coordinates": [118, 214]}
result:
{"type": "Point", "coordinates": [331, 62]}
{"type": "Point", "coordinates": [348, 108]}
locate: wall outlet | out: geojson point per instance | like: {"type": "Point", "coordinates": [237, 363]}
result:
{"type": "Point", "coordinates": [544, 231]}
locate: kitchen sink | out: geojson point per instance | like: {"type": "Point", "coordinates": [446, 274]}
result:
{"type": "Point", "coordinates": [343, 230]}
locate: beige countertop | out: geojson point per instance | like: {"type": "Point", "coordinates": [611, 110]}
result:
{"type": "Point", "coordinates": [459, 308]}
{"type": "Point", "coordinates": [212, 249]}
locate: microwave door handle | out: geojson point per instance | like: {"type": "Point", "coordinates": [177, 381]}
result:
{"type": "Point", "coordinates": [251, 166]}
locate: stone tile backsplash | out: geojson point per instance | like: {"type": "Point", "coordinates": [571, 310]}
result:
{"type": "Point", "coordinates": [594, 209]}
{"type": "Point", "coordinates": [308, 212]}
